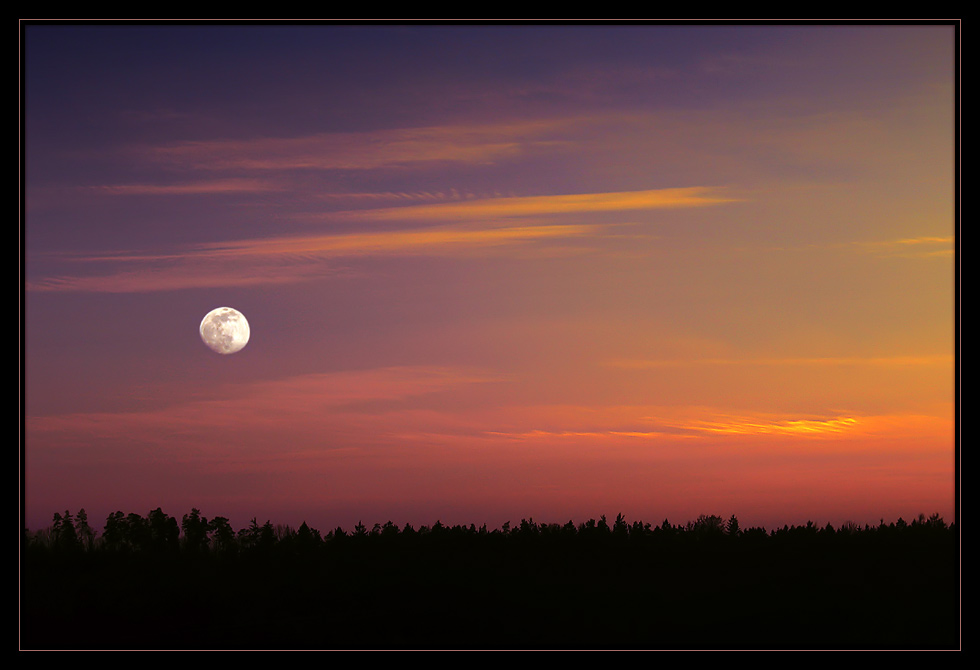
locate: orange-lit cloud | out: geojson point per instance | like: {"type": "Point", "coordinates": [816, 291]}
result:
{"type": "Point", "coordinates": [836, 427]}
{"type": "Point", "coordinates": [578, 203]}
{"type": "Point", "coordinates": [913, 247]}
{"type": "Point", "coordinates": [666, 424]}
{"type": "Point", "coordinates": [299, 258]}
{"type": "Point", "coordinates": [328, 410]}
{"type": "Point", "coordinates": [798, 427]}
{"type": "Point", "coordinates": [590, 435]}
{"type": "Point", "coordinates": [684, 426]}
{"type": "Point", "coordinates": [694, 429]}
{"type": "Point", "coordinates": [816, 361]}
{"type": "Point", "coordinates": [431, 240]}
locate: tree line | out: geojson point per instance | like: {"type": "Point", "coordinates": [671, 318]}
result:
{"type": "Point", "coordinates": [195, 534]}
{"type": "Point", "coordinates": [158, 582]}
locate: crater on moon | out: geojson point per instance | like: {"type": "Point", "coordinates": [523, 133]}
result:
{"type": "Point", "coordinates": [225, 330]}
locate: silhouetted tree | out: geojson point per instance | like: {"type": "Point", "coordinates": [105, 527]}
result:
{"type": "Point", "coordinates": [620, 528]}
{"type": "Point", "coordinates": [257, 538]}
{"type": "Point", "coordinates": [136, 531]}
{"type": "Point", "coordinates": [389, 530]}
{"type": "Point", "coordinates": [307, 539]}
{"type": "Point", "coordinates": [86, 535]}
{"type": "Point", "coordinates": [731, 528]}
{"type": "Point", "coordinates": [63, 532]}
{"type": "Point", "coordinates": [528, 528]}
{"type": "Point", "coordinates": [708, 526]}
{"type": "Point", "coordinates": [195, 529]}
{"type": "Point", "coordinates": [267, 537]}
{"type": "Point", "coordinates": [114, 532]}
{"type": "Point", "coordinates": [164, 532]}
{"type": "Point", "coordinates": [222, 535]}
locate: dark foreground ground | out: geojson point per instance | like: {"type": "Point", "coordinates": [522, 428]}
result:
{"type": "Point", "coordinates": [533, 590]}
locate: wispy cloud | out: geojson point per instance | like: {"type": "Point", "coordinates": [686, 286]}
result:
{"type": "Point", "coordinates": [366, 150]}
{"type": "Point", "coordinates": [532, 435]}
{"type": "Point", "coordinates": [836, 426]}
{"type": "Point", "coordinates": [749, 425]}
{"type": "Point", "coordinates": [315, 401]}
{"type": "Point", "coordinates": [290, 259]}
{"type": "Point", "coordinates": [911, 247]}
{"type": "Point", "coordinates": [484, 226]}
{"type": "Point", "coordinates": [548, 205]}
{"type": "Point", "coordinates": [428, 241]}
{"type": "Point", "coordinates": [662, 424]}
{"type": "Point", "coordinates": [209, 187]}
{"type": "Point", "coordinates": [155, 276]}
{"type": "Point", "coordinates": [814, 361]}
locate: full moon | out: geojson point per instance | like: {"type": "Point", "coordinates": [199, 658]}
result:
{"type": "Point", "coordinates": [225, 330]}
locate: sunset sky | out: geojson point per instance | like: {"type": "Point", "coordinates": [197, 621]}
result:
{"type": "Point", "coordinates": [492, 272]}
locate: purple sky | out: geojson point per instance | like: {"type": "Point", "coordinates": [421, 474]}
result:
{"type": "Point", "coordinates": [491, 272]}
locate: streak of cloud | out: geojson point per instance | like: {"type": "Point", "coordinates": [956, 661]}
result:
{"type": "Point", "coordinates": [796, 427]}
{"type": "Point", "coordinates": [151, 277]}
{"type": "Point", "coordinates": [206, 187]}
{"type": "Point", "coordinates": [817, 361]}
{"type": "Point", "coordinates": [476, 229]}
{"type": "Point", "coordinates": [431, 240]}
{"type": "Point", "coordinates": [318, 400]}
{"type": "Point", "coordinates": [365, 150]}
{"type": "Point", "coordinates": [835, 427]}
{"type": "Point", "coordinates": [290, 259]}
{"type": "Point", "coordinates": [660, 424]}
{"type": "Point", "coordinates": [578, 203]}
{"type": "Point", "coordinates": [912, 247]}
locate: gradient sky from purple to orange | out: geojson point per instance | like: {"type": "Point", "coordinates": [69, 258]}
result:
{"type": "Point", "coordinates": [492, 272]}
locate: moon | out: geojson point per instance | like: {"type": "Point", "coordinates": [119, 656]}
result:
{"type": "Point", "coordinates": [225, 330]}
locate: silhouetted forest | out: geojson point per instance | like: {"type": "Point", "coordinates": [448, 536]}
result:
{"type": "Point", "coordinates": [153, 582]}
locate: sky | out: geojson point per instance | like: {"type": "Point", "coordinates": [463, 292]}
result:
{"type": "Point", "coordinates": [491, 272]}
